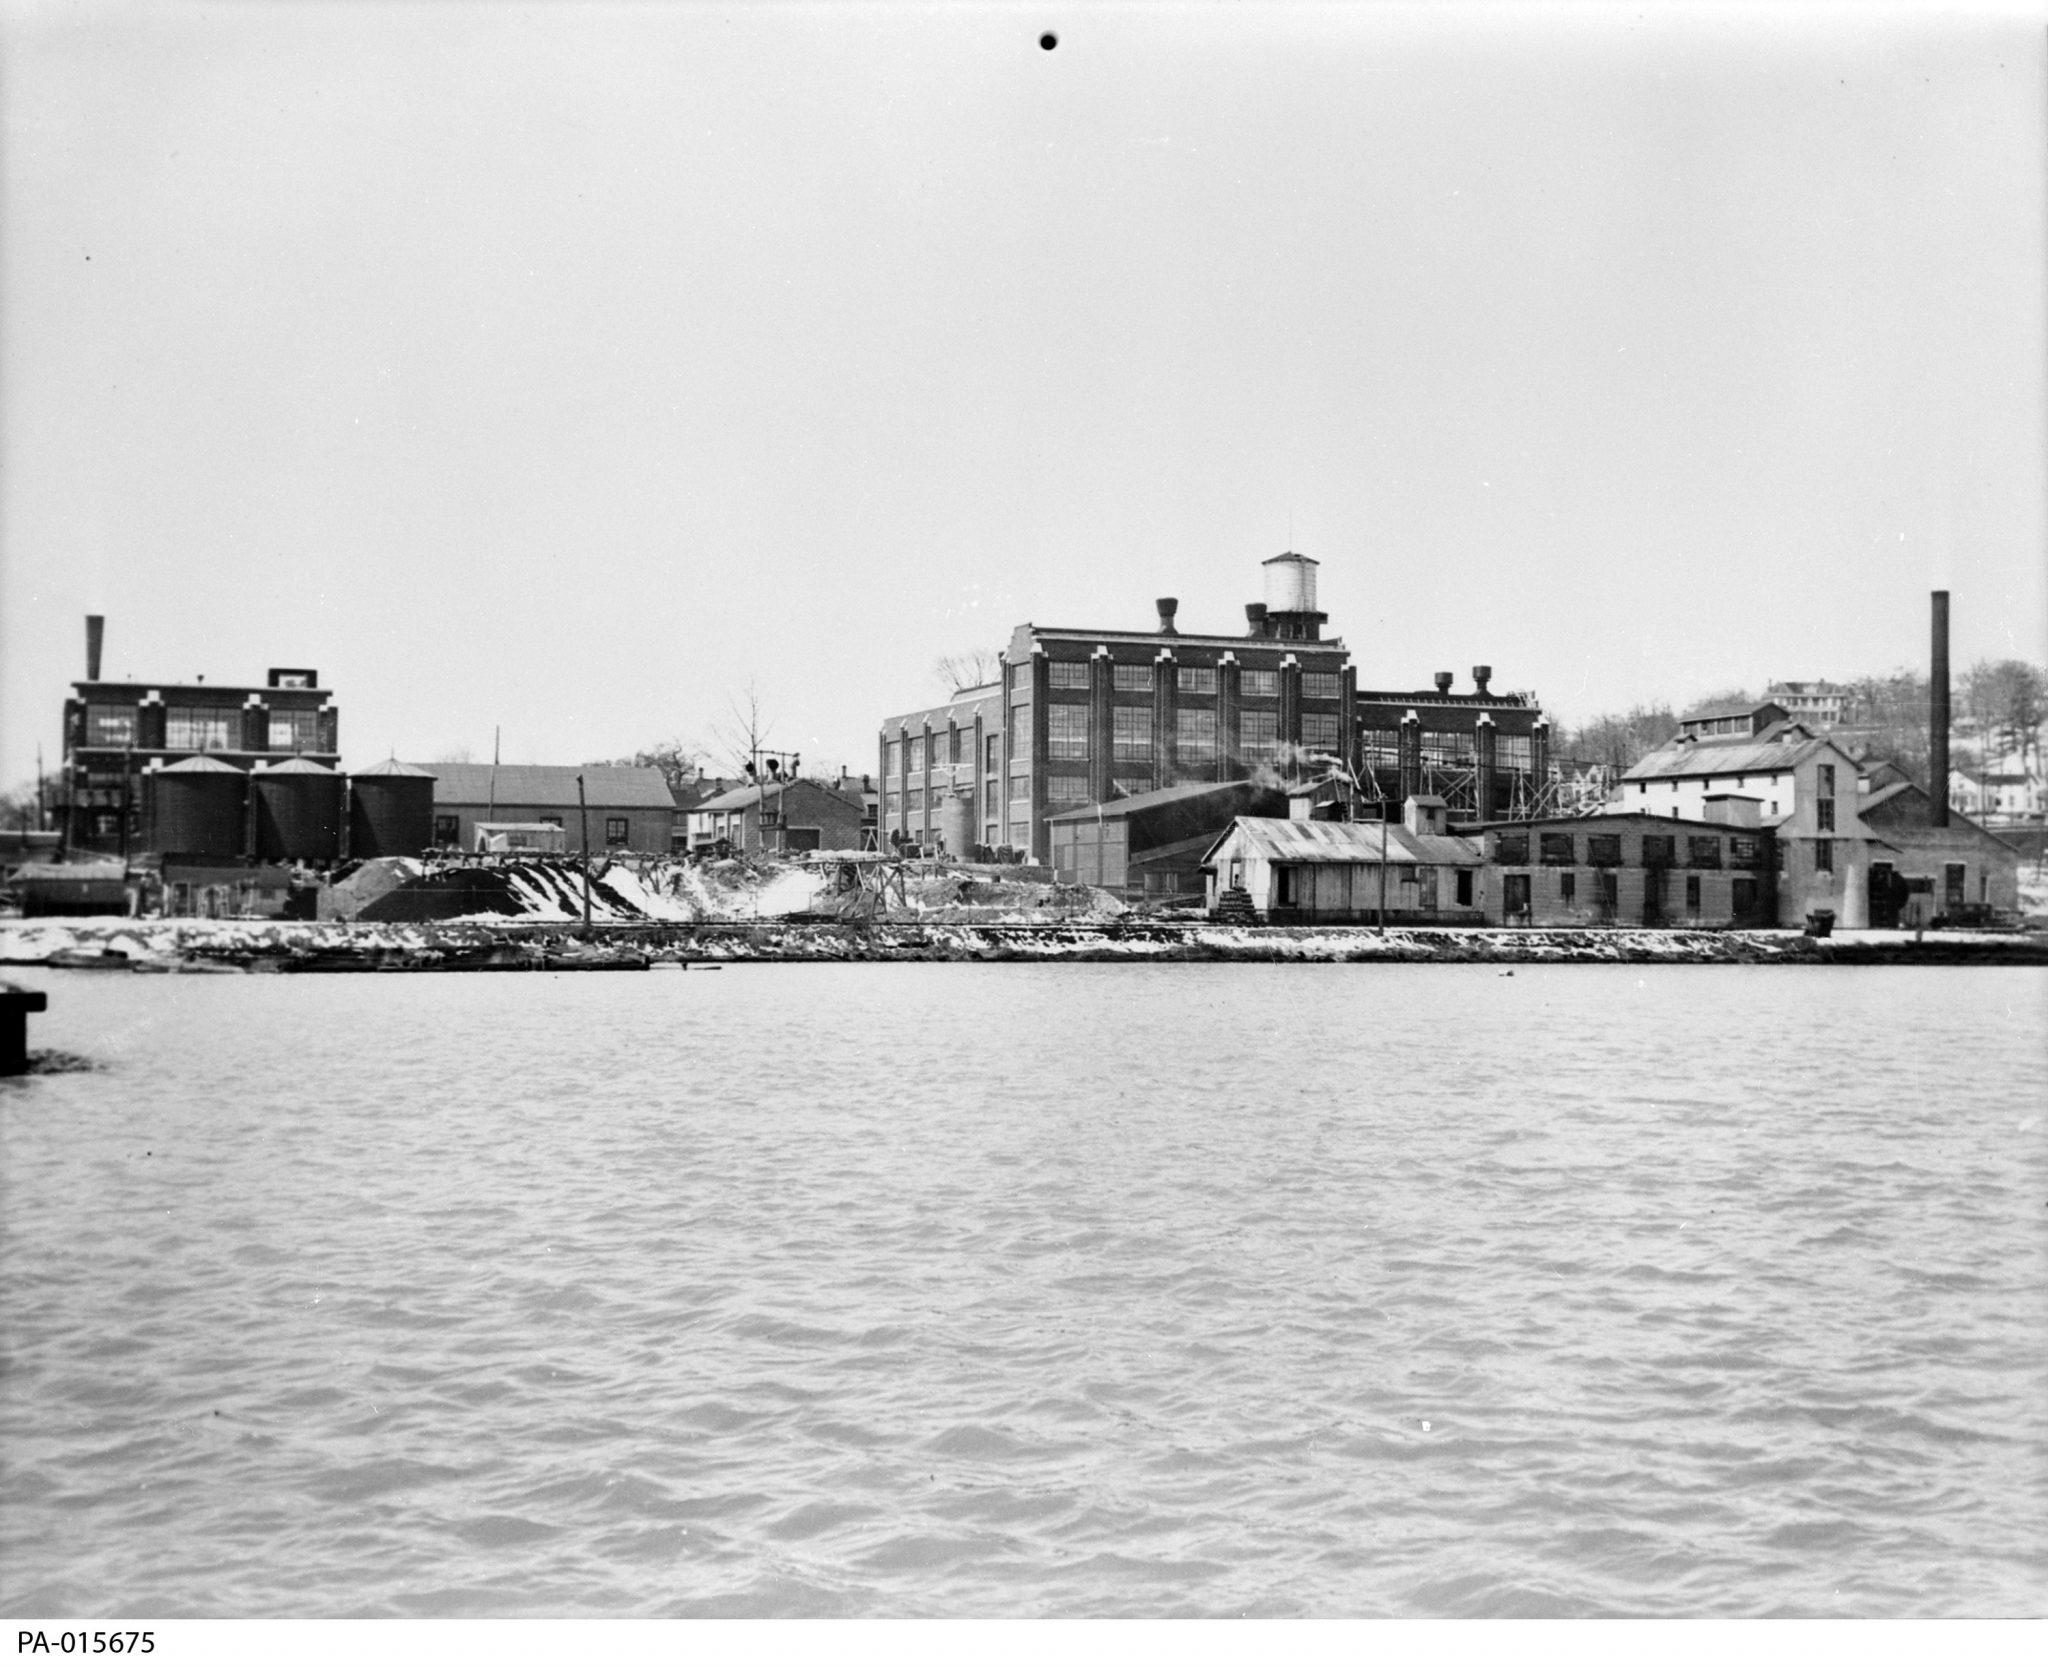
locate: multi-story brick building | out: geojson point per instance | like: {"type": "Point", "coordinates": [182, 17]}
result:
{"type": "Point", "coordinates": [1084, 716]}
{"type": "Point", "coordinates": [1079, 716]}
{"type": "Point", "coordinates": [116, 731]}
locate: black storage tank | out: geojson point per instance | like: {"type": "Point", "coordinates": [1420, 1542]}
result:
{"type": "Point", "coordinates": [390, 810]}
{"type": "Point", "coordinates": [198, 808]}
{"type": "Point", "coordinates": [298, 812]}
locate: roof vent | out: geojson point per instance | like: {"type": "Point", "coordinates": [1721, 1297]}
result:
{"type": "Point", "coordinates": [1444, 680]}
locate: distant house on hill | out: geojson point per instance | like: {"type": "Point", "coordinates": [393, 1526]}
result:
{"type": "Point", "coordinates": [628, 807]}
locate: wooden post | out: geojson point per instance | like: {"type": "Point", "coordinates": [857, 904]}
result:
{"type": "Point", "coordinates": [15, 1007]}
{"type": "Point", "coordinates": [583, 820]}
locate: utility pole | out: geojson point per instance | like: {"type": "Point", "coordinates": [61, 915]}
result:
{"type": "Point", "coordinates": [491, 815]}
{"type": "Point", "coordinates": [583, 817]}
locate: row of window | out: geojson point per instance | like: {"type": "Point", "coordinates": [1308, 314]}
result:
{"type": "Point", "coordinates": [1444, 747]}
{"type": "Point", "coordinates": [202, 728]}
{"type": "Point", "coordinates": [1559, 850]}
{"type": "Point", "coordinates": [1195, 680]}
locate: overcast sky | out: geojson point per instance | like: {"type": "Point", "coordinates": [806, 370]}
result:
{"type": "Point", "coordinates": [565, 367]}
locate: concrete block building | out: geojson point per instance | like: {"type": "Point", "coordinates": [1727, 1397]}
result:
{"type": "Point", "coordinates": [1630, 869]}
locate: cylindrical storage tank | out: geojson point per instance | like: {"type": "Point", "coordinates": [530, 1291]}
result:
{"type": "Point", "coordinates": [956, 824]}
{"type": "Point", "coordinates": [298, 812]}
{"type": "Point", "coordinates": [390, 811]}
{"type": "Point", "coordinates": [1290, 584]}
{"type": "Point", "coordinates": [198, 809]}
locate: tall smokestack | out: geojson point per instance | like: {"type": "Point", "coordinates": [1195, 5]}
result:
{"type": "Point", "coordinates": [1168, 606]}
{"type": "Point", "coordinates": [95, 633]}
{"type": "Point", "coordinates": [1937, 714]}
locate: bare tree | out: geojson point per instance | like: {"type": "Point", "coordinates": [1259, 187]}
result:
{"type": "Point", "coordinates": [680, 762]}
{"type": "Point", "coordinates": [745, 729]}
{"type": "Point", "coordinates": [969, 669]}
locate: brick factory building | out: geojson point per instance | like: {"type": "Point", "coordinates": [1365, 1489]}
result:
{"type": "Point", "coordinates": [787, 816]}
{"type": "Point", "coordinates": [1083, 717]}
{"type": "Point", "coordinates": [116, 732]}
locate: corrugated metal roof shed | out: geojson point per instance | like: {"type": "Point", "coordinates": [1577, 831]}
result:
{"type": "Point", "coordinates": [1349, 842]}
{"type": "Point", "coordinates": [607, 786]}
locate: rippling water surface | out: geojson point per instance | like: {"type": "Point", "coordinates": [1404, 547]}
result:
{"type": "Point", "coordinates": [1028, 1290]}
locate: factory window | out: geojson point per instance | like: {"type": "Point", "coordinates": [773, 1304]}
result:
{"type": "Point", "coordinates": [914, 755]}
{"type": "Point", "coordinates": [198, 728]}
{"type": "Point", "coordinates": [1020, 790]}
{"type": "Point", "coordinates": [893, 810]}
{"type": "Point", "coordinates": [1321, 685]}
{"type": "Point", "coordinates": [1464, 888]}
{"type": "Point", "coordinates": [1745, 851]}
{"type": "Point", "coordinates": [1067, 732]}
{"type": "Point", "coordinates": [1198, 680]}
{"type": "Point", "coordinates": [1557, 849]}
{"type": "Point", "coordinates": [110, 726]}
{"type": "Point", "coordinates": [1258, 685]}
{"type": "Point", "coordinates": [1511, 752]}
{"type": "Point", "coordinates": [1069, 674]}
{"type": "Point", "coordinates": [295, 732]}
{"type": "Point", "coordinates": [894, 755]}
{"type": "Point", "coordinates": [1660, 850]}
{"type": "Point", "coordinates": [1703, 851]}
{"type": "Point", "coordinates": [1258, 734]}
{"type": "Point", "coordinates": [1567, 886]}
{"type": "Point", "coordinates": [1824, 815]}
{"type": "Point", "coordinates": [1195, 733]}
{"type": "Point", "coordinates": [1321, 730]}
{"type": "Point", "coordinates": [615, 830]}
{"type": "Point", "coordinates": [1020, 733]}
{"type": "Point", "coordinates": [447, 830]}
{"type": "Point", "coordinates": [1134, 679]}
{"type": "Point", "coordinates": [992, 748]}
{"type": "Point", "coordinates": [1824, 856]}
{"type": "Point", "coordinates": [1446, 747]}
{"type": "Point", "coordinates": [1066, 790]}
{"type": "Point", "coordinates": [1827, 779]}
{"type": "Point", "coordinates": [1133, 733]}
{"type": "Point", "coordinates": [1603, 850]}
{"type": "Point", "coordinates": [1379, 746]}
{"type": "Point", "coordinates": [1510, 849]}
{"type": "Point", "coordinates": [1692, 894]}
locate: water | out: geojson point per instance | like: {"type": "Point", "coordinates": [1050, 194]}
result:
{"type": "Point", "coordinates": [1090, 1290]}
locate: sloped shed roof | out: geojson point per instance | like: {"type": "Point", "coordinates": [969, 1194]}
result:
{"type": "Point", "coordinates": [1348, 842]}
{"type": "Point", "coordinates": [607, 786]}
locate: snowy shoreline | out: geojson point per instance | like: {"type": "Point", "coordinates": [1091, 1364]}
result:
{"type": "Point", "coordinates": [167, 945]}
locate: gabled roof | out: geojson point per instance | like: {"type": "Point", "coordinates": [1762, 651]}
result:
{"type": "Point", "coordinates": [742, 798]}
{"type": "Point", "coordinates": [1779, 748]}
{"type": "Point", "coordinates": [606, 786]}
{"type": "Point", "coordinates": [1346, 842]}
